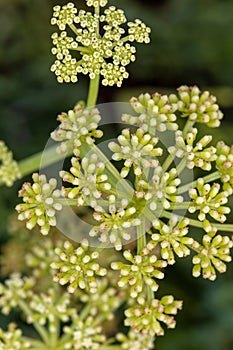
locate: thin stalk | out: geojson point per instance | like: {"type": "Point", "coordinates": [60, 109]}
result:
{"type": "Point", "coordinates": [209, 178]}
{"type": "Point", "coordinates": [199, 224]}
{"type": "Point", "coordinates": [41, 330]}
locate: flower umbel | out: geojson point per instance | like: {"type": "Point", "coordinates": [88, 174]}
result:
{"type": "Point", "coordinates": [9, 170]}
{"type": "Point", "coordinates": [77, 267]}
{"type": "Point", "coordinates": [40, 203]}
{"type": "Point", "coordinates": [106, 55]}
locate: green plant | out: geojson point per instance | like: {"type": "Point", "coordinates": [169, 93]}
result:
{"type": "Point", "coordinates": [152, 212]}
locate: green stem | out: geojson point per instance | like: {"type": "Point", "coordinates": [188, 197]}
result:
{"type": "Point", "coordinates": [41, 330]}
{"type": "Point", "coordinates": [93, 91]}
{"type": "Point", "coordinates": [209, 178]}
{"type": "Point", "coordinates": [199, 224]}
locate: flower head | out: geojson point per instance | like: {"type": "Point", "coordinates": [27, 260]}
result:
{"type": "Point", "coordinates": [214, 252]}
{"type": "Point", "coordinates": [77, 127]}
{"type": "Point", "coordinates": [88, 178]}
{"type": "Point", "coordinates": [15, 289]}
{"type": "Point", "coordinates": [135, 340]}
{"type": "Point", "coordinates": [155, 113]}
{"type": "Point", "coordinates": [115, 222]}
{"type": "Point", "coordinates": [147, 318]}
{"type": "Point", "coordinates": [9, 170]}
{"type": "Point", "coordinates": [12, 339]}
{"type": "Point", "coordinates": [172, 238]}
{"type": "Point", "coordinates": [200, 107]}
{"type": "Point", "coordinates": [224, 164]}
{"type": "Point", "coordinates": [142, 271]}
{"type": "Point", "coordinates": [106, 55]}
{"type": "Point", "coordinates": [40, 203]}
{"type": "Point", "coordinates": [78, 268]}
{"type": "Point", "coordinates": [208, 199]}
{"type": "Point", "coordinates": [138, 150]}
{"type": "Point", "coordinates": [195, 153]}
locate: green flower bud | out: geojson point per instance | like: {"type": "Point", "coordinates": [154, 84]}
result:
{"type": "Point", "coordinates": [224, 164]}
{"type": "Point", "coordinates": [135, 340]}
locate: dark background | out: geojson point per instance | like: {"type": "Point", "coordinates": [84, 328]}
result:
{"type": "Point", "coordinates": [191, 44]}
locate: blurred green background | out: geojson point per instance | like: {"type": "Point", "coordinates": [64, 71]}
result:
{"type": "Point", "coordinates": [191, 44]}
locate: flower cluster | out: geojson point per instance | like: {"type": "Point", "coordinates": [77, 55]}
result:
{"type": "Point", "coordinates": [135, 340]}
{"type": "Point", "coordinates": [12, 339]}
{"type": "Point", "coordinates": [104, 302]}
{"type": "Point", "coordinates": [84, 334]}
{"type": "Point", "coordinates": [140, 272]}
{"type": "Point", "coordinates": [9, 170]}
{"type": "Point", "coordinates": [13, 291]}
{"type": "Point", "coordinates": [138, 150]}
{"type": "Point", "coordinates": [49, 308]}
{"type": "Point", "coordinates": [41, 201]}
{"type": "Point", "coordinates": [200, 107]}
{"type": "Point", "coordinates": [161, 189]}
{"type": "Point", "coordinates": [77, 127]}
{"type": "Point", "coordinates": [224, 164]}
{"type": "Point", "coordinates": [115, 222]}
{"type": "Point", "coordinates": [88, 178]}
{"type": "Point", "coordinates": [213, 253]}
{"type": "Point", "coordinates": [196, 155]}
{"type": "Point", "coordinates": [147, 318]}
{"type": "Point", "coordinates": [208, 199]}
{"type": "Point", "coordinates": [105, 55]}
{"type": "Point", "coordinates": [41, 256]}
{"type": "Point", "coordinates": [78, 268]}
{"type": "Point", "coordinates": [172, 238]}
{"type": "Point", "coordinates": [156, 113]}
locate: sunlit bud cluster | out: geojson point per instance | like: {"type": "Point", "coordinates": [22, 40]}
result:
{"type": "Point", "coordinates": [9, 170]}
{"type": "Point", "coordinates": [194, 151]}
{"type": "Point", "coordinates": [138, 150]}
{"type": "Point", "coordinates": [224, 164]}
{"type": "Point", "coordinates": [155, 113]}
{"type": "Point", "coordinates": [139, 32]}
{"type": "Point", "coordinates": [147, 317]}
{"type": "Point", "coordinates": [88, 179]}
{"type": "Point", "coordinates": [115, 222]}
{"type": "Point", "coordinates": [41, 201]}
{"type": "Point", "coordinates": [135, 340]}
{"type": "Point", "coordinates": [198, 106]}
{"type": "Point", "coordinates": [142, 271]}
{"type": "Point", "coordinates": [84, 334]}
{"type": "Point", "coordinates": [64, 15]}
{"type": "Point", "coordinates": [105, 55]}
{"type": "Point", "coordinates": [49, 308]}
{"type": "Point", "coordinates": [214, 252]}
{"type": "Point", "coordinates": [208, 200]}
{"type": "Point", "coordinates": [77, 267]}
{"type": "Point", "coordinates": [172, 238]}
{"type": "Point", "coordinates": [105, 301]}
{"type": "Point", "coordinates": [12, 339]}
{"type": "Point", "coordinates": [161, 189]}
{"type": "Point", "coordinates": [41, 256]}
{"type": "Point", "coordinates": [13, 291]}
{"type": "Point", "coordinates": [77, 127]}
